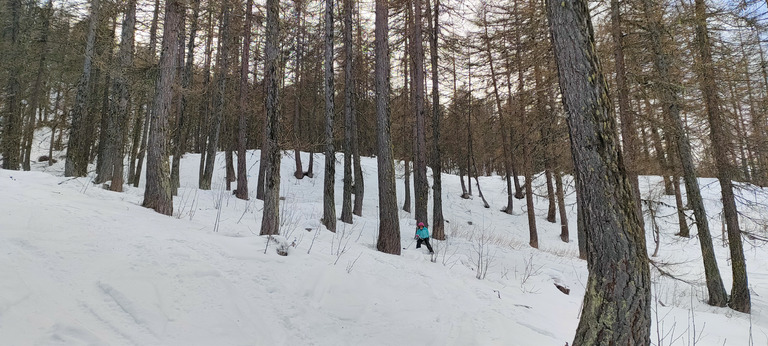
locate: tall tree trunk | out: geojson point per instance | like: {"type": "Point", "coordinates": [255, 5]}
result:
{"type": "Point", "coordinates": [222, 72]}
{"type": "Point", "coordinates": [270, 223]}
{"type": "Point", "coordinates": [359, 185]}
{"type": "Point", "coordinates": [242, 174]}
{"type": "Point", "coordinates": [149, 106]}
{"type": "Point", "coordinates": [12, 127]}
{"type": "Point", "coordinates": [628, 131]}
{"type": "Point", "coordinates": [157, 194]}
{"type": "Point", "coordinates": [186, 82]}
{"type": "Point", "coordinates": [105, 147]}
{"type": "Point", "coordinates": [329, 204]}
{"type": "Point", "coordinates": [389, 223]}
{"type": "Point", "coordinates": [37, 89]}
{"type": "Point", "coordinates": [671, 103]}
{"type": "Point", "coordinates": [526, 141]}
{"type": "Point", "coordinates": [506, 152]}
{"type": "Point", "coordinates": [299, 173]}
{"type": "Point", "coordinates": [119, 111]}
{"type": "Point", "coordinates": [740, 299]}
{"type": "Point", "coordinates": [616, 308]}
{"type": "Point", "coordinates": [420, 184]}
{"type": "Point", "coordinates": [349, 109]}
{"type": "Point", "coordinates": [77, 148]}
{"type": "Point", "coordinates": [438, 220]}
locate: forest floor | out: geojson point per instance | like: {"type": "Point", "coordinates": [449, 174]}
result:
{"type": "Point", "coordinates": [85, 266]}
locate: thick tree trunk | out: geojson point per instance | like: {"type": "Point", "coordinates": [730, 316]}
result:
{"type": "Point", "coordinates": [77, 148]}
{"type": "Point", "coordinates": [157, 194]}
{"type": "Point", "coordinates": [329, 204]}
{"type": "Point", "coordinates": [551, 210]}
{"type": "Point", "coordinates": [740, 299]}
{"type": "Point", "coordinates": [616, 308]}
{"type": "Point", "coordinates": [270, 223]}
{"type": "Point", "coordinates": [389, 223]}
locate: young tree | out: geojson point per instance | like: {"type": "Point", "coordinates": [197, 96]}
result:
{"type": "Point", "coordinates": [242, 175]}
{"type": "Point", "coordinates": [616, 308]}
{"type": "Point", "coordinates": [157, 194]}
{"type": "Point", "coordinates": [270, 223]}
{"type": "Point", "coordinates": [389, 223]}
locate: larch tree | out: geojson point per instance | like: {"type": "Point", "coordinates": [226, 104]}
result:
{"type": "Point", "coordinates": [270, 223]}
{"type": "Point", "coordinates": [157, 194]}
{"type": "Point", "coordinates": [740, 298]}
{"type": "Point", "coordinates": [119, 109]}
{"type": "Point", "coordinates": [77, 149]}
{"type": "Point", "coordinates": [329, 204]}
{"type": "Point", "coordinates": [616, 307]}
{"type": "Point", "coordinates": [668, 94]}
{"type": "Point", "coordinates": [349, 109]}
{"type": "Point", "coordinates": [438, 221]}
{"type": "Point", "coordinates": [389, 222]}
{"type": "Point", "coordinates": [184, 113]}
{"type": "Point", "coordinates": [222, 72]}
{"type": "Point", "coordinates": [420, 183]}
{"type": "Point", "coordinates": [242, 125]}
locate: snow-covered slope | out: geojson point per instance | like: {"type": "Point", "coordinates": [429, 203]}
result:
{"type": "Point", "coordinates": [80, 265]}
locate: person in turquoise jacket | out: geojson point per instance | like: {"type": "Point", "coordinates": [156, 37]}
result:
{"type": "Point", "coordinates": [422, 236]}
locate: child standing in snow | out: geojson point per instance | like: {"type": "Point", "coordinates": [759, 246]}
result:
{"type": "Point", "coordinates": [422, 236]}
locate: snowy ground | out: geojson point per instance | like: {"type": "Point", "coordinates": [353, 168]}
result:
{"type": "Point", "coordinates": [85, 266]}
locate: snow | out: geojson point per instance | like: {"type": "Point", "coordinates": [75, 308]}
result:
{"type": "Point", "coordinates": [85, 266]}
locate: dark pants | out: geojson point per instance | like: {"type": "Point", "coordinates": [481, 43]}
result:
{"type": "Point", "coordinates": [426, 242]}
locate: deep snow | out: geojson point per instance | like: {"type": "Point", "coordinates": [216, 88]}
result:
{"type": "Point", "coordinates": [80, 265]}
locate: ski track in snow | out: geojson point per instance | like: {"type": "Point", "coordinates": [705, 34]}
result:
{"type": "Point", "coordinates": [85, 266]}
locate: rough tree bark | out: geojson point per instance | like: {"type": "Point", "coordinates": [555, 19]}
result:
{"type": "Point", "coordinates": [349, 108]}
{"type": "Point", "coordinates": [438, 221]}
{"type": "Point", "coordinates": [420, 184]}
{"type": "Point", "coordinates": [157, 194]}
{"type": "Point", "coordinates": [270, 223]}
{"type": "Point", "coordinates": [329, 204]}
{"type": "Point", "coordinates": [119, 110]}
{"type": "Point", "coordinates": [77, 148]}
{"type": "Point", "coordinates": [389, 223]}
{"type": "Point", "coordinates": [616, 307]}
